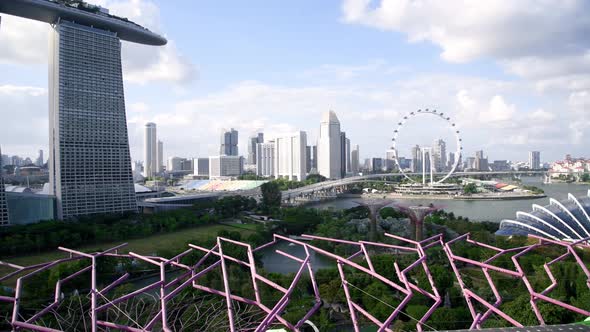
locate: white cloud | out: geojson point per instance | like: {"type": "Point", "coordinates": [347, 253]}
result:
{"type": "Point", "coordinates": [542, 116]}
{"type": "Point", "coordinates": [543, 42]}
{"type": "Point", "coordinates": [168, 65]}
{"type": "Point", "coordinates": [25, 42]}
{"type": "Point", "coordinates": [23, 119]}
{"type": "Point", "coordinates": [467, 30]}
{"type": "Point", "coordinates": [499, 110]}
{"type": "Point", "coordinates": [22, 91]}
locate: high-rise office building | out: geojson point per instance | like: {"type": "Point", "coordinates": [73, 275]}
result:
{"type": "Point", "coordinates": [265, 159]}
{"type": "Point", "coordinates": [329, 147]}
{"type": "Point", "coordinates": [469, 163]}
{"type": "Point", "coordinates": [90, 169]}
{"type": "Point", "coordinates": [90, 163]}
{"type": "Point", "coordinates": [40, 161]}
{"type": "Point", "coordinates": [354, 160]}
{"type": "Point", "coordinates": [225, 166]}
{"type": "Point", "coordinates": [290, 161]}
{"type": "Point", "coordinates": [252, 142]}
{"type": "Point", "coordinates": [229, 142]}
{"type": "Point", "coordinates": [376, 165]}
{"type": "Point", "coordinates": [311, 156]}
{"type": "Point", "coordinates": [201, 166]}
{"type": "Point", "coordinates": [186, 164]}
{"type": "Point", "coordinates": [160, 157]}
{"type": "Point", "coordinates": [451, 160]}
{"type": "Point", "coordinates": [535, 160]}
{"type": "Point", "coordinates": [4, 220]}
{"type": "Point", "coordinates": [150, 152]}
{"type": "Point", "coordinates": [344, 154]}
{"type": "Point", "coordinates": [389, 161]}
{"type": "Point", "coordinates": [174, 164]}
{"type": "Point", "coordinates": [481, 163]}
{"type": "Point", "coordinates": [416, 164]}
{"type": "Point", "coordinates": [439, 155]}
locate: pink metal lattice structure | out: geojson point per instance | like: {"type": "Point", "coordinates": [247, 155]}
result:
{"type": "Point", "coordinates": [217, 258]}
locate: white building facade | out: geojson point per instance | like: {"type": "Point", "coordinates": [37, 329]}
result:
{"type": "Point", "coordinates": [290, 156]}
{"type": "Point", "coordinates": [535, 160]}
{"type": "Point", "coordinates": [329, 147]}
{"type": "Point", "coordinates": [265, 159]}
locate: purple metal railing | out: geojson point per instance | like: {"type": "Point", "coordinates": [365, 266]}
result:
{"type": "Point", "coordinates": [359, 262]}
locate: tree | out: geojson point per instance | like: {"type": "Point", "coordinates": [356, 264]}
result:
{"type": "Point", "coordinates": [470, 188]}
{"type": "Point", "coordinates": [271, 195]}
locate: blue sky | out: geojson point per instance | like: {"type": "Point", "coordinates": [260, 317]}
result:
{"type": "Point", "coordinates": [514, 75]}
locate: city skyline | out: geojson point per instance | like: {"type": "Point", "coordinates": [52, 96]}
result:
{"type": "Point", "coordinates": [505, 101]}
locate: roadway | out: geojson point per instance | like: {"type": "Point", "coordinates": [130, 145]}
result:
{"type": "Point", "coordinates": [292, 193]}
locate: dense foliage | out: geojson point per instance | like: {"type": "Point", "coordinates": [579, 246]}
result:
{"type": "Point", "coordinates": [470, 188]}
{"type": "Point", "coordinates": [369, 293]}
{"type": "Point", "coordinates": [271, 196]}
{"type": "Point", "coordinates": [48, 235]}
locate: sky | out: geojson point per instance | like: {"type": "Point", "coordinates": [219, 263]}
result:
{"type": "Point", "coordinates": [513, 75]}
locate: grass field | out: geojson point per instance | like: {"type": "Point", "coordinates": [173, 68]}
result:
{"type": "Point", "coordinates": [148, 245]}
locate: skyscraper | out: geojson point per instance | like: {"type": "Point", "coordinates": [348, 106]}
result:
{"type": "Point", "coordinates": [290, 158]}
{"type": "Point", "coordinates": [39, 162]}
{"type": "Point", "coordinates": [4, 220]}
{"type": "Point", "coordinates": [160, 157]}
{"type": "Point", "coordinates": [150, 152]}
{"type": "Point", "coordinates": [229, 142]}
{"type": "Point", "coordinates": [389, 161]}
{"type": "Point", "coordinates": [481, 163]}
{"type": "Point", "coordinates": [90, 164]}
{"type": "Point", "coordinates": [311, 155]}
{"type": "Point", "coordinates": [329, 147]}
{"type": "Point", "coordinates": [90, 169]}
{"type": "Point", "coordinates": [439, 155]}
{"type": "Point", "coordinates": [265, 155]}
{"type": "Point", "coordinates": [344, 158]}
{"type": "Point", "coordinates": [416, 164]}
{"type": "Point", "coordinates": [451, 161]}
{"type": "Point", "coordinates": [252, 142]}
{"type": "Point", "coordinates": [354, 160]}
{"type": "Point", "coordinates": [535, 160]}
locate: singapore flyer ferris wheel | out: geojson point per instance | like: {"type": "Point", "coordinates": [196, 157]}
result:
{"type": "Point", "coordinates": [427, 152]}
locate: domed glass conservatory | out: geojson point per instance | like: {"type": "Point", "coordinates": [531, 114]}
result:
{"type": "Point", "coordinates": [560, 220]}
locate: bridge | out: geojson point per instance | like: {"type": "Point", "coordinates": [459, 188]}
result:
{"type": "Point", "coordinates": [330, 188]}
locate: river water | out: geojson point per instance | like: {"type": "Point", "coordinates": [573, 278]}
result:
{"type": "Point", "coordinates": [489, 210]}
{"type": "Point", "coordinates": [474, 210]}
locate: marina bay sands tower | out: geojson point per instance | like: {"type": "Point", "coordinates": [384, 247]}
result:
{"type": "Point", "coordinates": [90, 163]}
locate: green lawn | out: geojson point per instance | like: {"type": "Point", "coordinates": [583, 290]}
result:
{"type": "Point", "coordinates": [148, 245]}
